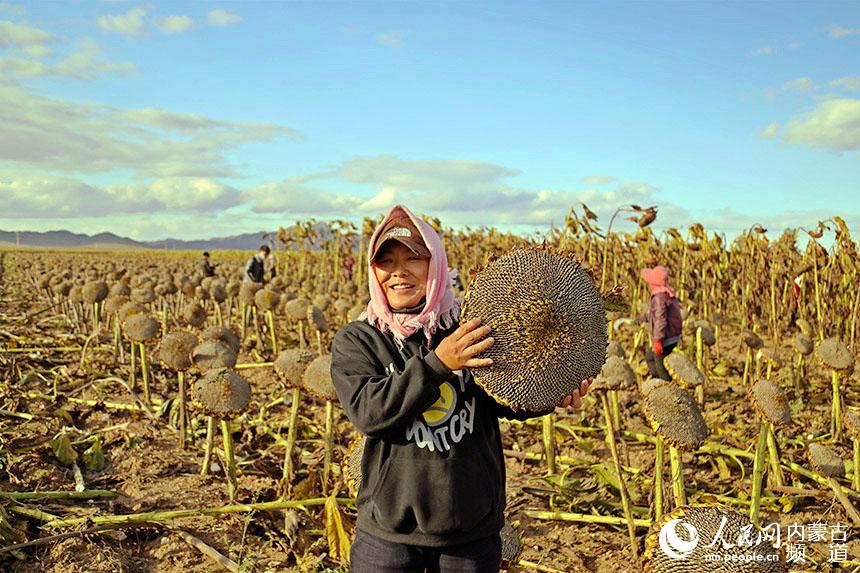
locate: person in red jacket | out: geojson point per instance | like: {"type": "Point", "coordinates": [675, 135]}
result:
{"type": "Point", "coordinates": [794, 293]}
{"type": "Point", "coordinates": [664, 320]}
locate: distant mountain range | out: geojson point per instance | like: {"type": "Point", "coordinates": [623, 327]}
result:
{"type": "Point", "coordinates": [245, 242]}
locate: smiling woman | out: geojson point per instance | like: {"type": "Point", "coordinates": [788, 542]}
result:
{"type": "Point", "coordinates": [401, 263]}
{"type": "Point", "coordinates": [432, 466]}
{"type": "Point", "coordinates": [402, 275]}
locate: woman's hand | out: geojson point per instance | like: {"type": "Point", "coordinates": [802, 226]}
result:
{"type": "Point", "coordinates": [574, 399]}
{"type": "Point", "coordinates": [458, 349]}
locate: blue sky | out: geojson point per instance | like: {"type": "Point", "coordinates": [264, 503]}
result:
{"type": "Point", "coordinates": [200, 119]}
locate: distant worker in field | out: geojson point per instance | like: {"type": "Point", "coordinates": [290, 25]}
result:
{"type": "Point", "coordinates": [258, 265]}
{"type": "Point", "coordinates": [664, 320]}
{"type": "Point", "coordinates": [794, 293]}
{"type": "Point", "coordinates": [206, 266]}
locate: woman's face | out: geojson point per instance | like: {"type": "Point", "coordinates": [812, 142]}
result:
{"type": "Point", "coordinates": [402, 275]}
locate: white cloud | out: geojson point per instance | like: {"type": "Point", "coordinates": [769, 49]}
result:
{"type": "Point", "coordinates": [597, 179]}
{"type": "Point", "coordinates": [16, 66]}
{"type": "Point", "coordinates": [834, 124]}
{"type": "Point", "coordinates": [222, 18]}
{"type": "Point", "coordinates": [175, 194]}
{"type": "Point", "coordinates": [383, 200]}
{"type": "Point", "coordinates": [85, 62]}
{"type": "Point", "coordinates": [293, 196]}
{"type": "Point", "coordinates": [773, 50]}
{"type": "Point", "coordinates": [38, 51]}
{"type": "Point", "coordinates": [466, 191]}
{"type": "Point", "coordinates": [26, 54]}
{"type": "Point", "coordinates": [516, 206]}
{"type": "Point", "coordinates": [764, 51]}
{"type": "Point", "coordinates": [132, 23]}
{"type": "Point", "coordinates": [191, 124]}
{"type": "Point", "coordinates": [803, 84]}
{"type": "Point", "coordinates": [172, 206]}
{"type": "Point", "coordinates": [841, 32]}
{"type": "Point", "coordinates": [846, 84]}
{"type": "Point", "coordinates": [461, 191]}
{"type": "Point", "coordinates": [390, 39]}
{"type": "Point", "coordinates": [46, 196]}
{"type": "Point", "coordinates": [174, 24]}
{"type": "Point", "coordinates": [769, 132]}
{"type": "Point", "coordinates": [828, 96]}
{"type": "Point", "coordinates": [52, 134]}
{"type": "Point", "coordinates": [199, 194]}
{"type": "Point", "coordinates": [422, 173]}
{"type": "Point", "coordinates": [799, 84]}
{"type": "Point", "coordinates": [12, 34]}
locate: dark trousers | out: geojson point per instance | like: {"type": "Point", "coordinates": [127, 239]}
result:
{"type": "Point", "coordinates": [370, 554]}
{"type": "Point", "coordinates": [655, 362]}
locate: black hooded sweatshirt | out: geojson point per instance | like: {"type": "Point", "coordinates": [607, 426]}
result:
{"type": "Point", "coordinates": [433, 471]}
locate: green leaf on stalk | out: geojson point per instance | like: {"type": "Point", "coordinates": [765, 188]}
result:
{"type": "Point", "coordinates": [94, 458]}
{"type": "Point", "coordinates": [163, 408]}
{"type": "Point", "coordinates": [63, 450]}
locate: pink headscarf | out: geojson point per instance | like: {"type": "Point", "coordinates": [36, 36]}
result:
{"type": "Point", "coordinates": [441, 307]}
{"type": "Point", "coordinates": [658, 279]}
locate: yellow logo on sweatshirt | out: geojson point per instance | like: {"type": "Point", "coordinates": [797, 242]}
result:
{"type": "Point", "coordinates": [448, 421]}
{"type": "Point", "coordinates": [442, 408]}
